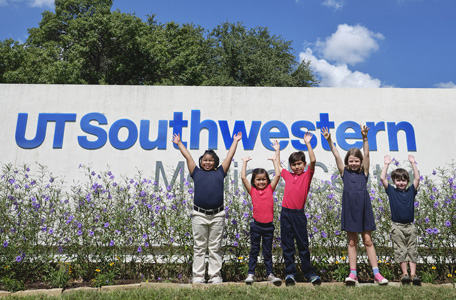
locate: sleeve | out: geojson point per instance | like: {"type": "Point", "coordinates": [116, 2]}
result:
{"type": "Point", "coordinates": [220, 169]}
{"type": "Point", "coordinates": [285, 174]}
{"type": "Point", "coordinates": [195, 171]}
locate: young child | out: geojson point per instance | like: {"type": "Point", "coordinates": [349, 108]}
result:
{"type": "Point", "coordinates": [293, 221]}
{"type": "Point", "coordinates": [260, 189]}
{"type": "Point", "coordinates": [208, 220]}
{"type": "Point", "coordinates": [357, 215]}
{"type": "Point", "coordinates": [402, 200]}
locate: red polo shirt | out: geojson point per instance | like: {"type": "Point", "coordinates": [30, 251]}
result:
{"type": "Point", "coordinates": [296, 188]}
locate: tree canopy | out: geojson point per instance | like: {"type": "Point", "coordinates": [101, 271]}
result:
{"type": "Point", "coordinates": [84, 42]}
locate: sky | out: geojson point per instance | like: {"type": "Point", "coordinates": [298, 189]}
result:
{"type": "Point", "coordinates": [349, 43]}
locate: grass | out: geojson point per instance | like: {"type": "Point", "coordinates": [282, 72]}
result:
{"type": "Point", "coordinates": [267, 292]}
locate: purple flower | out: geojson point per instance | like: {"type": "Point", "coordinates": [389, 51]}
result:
{"type": "Point", "coordinates": [235, 244]}
{"type": "Point", "coordinates": [315, 229]}
{"type": "Point", "coordinates": [12, 180]}
{"type": "Point", "coordinates": [51, 231]}
{"type": "Point", "coordinates": [146, 244]}
{"type": "Point", "coordinates": [190, 191]}
{"type": "Point", "coordinates": [417, 204]}
{"type": "Point", "coordinates": [434, 172]}
{"type": "Point", "coordinates": [447, 223]}
{"type": "Point", "coordinates": [246, 215]}
{"type": "Point", "coordinates": [18, 258]}
{"type": "Point", "coordinates": [426, 220]}
{"type": "Point", "coordinates": [323, 234]}
{"type": "Point", "coordinates": [79, 232]}
{"type": "Point", "coordinates": [432, 198]}
{"type": "Point", "coordinates": [5, 244]}
{"type": "Point", "coordinates": [106, 224]}
{"type": "Point", "coordinates": [144, 236]}
{"type": "Point", "coordinates": [337, 232]}
{"type": "Point", "coordinates": [139, 249]}
{"type": "Point", "coordinates": [233, 221]}
{"type": "Point", "coordinates": [111, 243]}
{"type": "Point", "coordinates": [435, 231]}
{"type": "Point", "coordinates": [91, 233]}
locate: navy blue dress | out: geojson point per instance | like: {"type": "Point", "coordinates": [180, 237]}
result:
{"type": "Point", "coordinates": [357, 215]}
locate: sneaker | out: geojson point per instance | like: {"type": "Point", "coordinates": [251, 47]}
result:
{"type": "Point", "coordinates": [290, 280]}
{"type": "Point", "coordinates": [274, 280]}
{"type": "Point", "coordinates": [198, 281]}
{"type": "Point", "coordinates": [216, 280]}
{"type": "Point", "coordinates": [380, 279]}
{"type": "Point", "coordinates": [416, 280]}
{"type": "Point", "coordinates": [352, 279]}
{"type": "Point", "coordinates": [250, 279]}
{"type": "Point", "coordinates": [405, 279]}
{"type": "Point", "coordinates": [315, 280]}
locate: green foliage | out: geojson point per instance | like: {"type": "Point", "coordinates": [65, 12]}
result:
{"type": "Point", "coordinates": [84, 42]}
{"type": "Point", "coordinates": [12, 284]}
{"type": "Point", "coordinates": [59, 276]}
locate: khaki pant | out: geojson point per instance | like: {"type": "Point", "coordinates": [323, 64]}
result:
{"type": "Point", "coordinates": [404, 242]}
{"type": "Point", "coordinates": [207, 236]}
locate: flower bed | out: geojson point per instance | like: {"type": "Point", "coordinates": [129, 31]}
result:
{"type": "Point", "coordinates": [112, 227]}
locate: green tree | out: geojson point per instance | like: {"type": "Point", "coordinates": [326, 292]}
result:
{"type": "Point", "coordinates": [242, 57]}
{"type": "Point", "coordinates": [84, 42]}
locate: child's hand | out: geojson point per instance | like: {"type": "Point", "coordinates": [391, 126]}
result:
{"type": "Point", "coordinates": [411, 159]}
{"type": "Point", "coordinates": [176, 138]}
{"type": "Point", "coordinates": [387, 159]}
{"type": "Point", "coordinates": [364, 130]}
{"type": "Point", "coordinates": [238, 136]}
{"type": "Point", "coordinates": [273, 157]}
{"type": "Point", "coordinates": [307, 137]}
{"type": "Point", "coordinates": [326, 133]}
{"type": "Point", "coordinates": [246, 159]}
{"type": "Point", "coordinates": [276, 145]}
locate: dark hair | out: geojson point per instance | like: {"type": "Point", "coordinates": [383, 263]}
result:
{"type": "Point", "coordinates": [296, 156]}
{"type": "Point", "coordinates": [212, 153]}
{"type": "Point", "coordinates": [400, 174]}
{"type": "Point", "coordinates": [259, 171]}
{"type": "Point", "coordinates": [356, 153]}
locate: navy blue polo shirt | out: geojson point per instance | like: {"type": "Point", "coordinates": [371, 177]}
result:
{"type": "Point", "coordinates": [208, 187]}
{"type": "Point", "coordinates": [402, 204]}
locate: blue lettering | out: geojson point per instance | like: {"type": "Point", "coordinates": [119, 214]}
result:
{"type": "Point", "coordinates": [267, 135]}
{"type": "Point", "coordinates": [43, 119]}
{"type": "Point", "coordinates": [114, 134]}
{"type": "Point", "coordinates": [325, 123]}
{"type": "Point", "coordinates": [342, 135]}
{"type": "Point", "coordinates": [197, 126]}
{"type": "Point", "coordinates": [178, 123]}
{"type": "Point", "coordinates": [297, 132]}
{"type": "Point", "coordinates": [101, 135]}
{"type": "Point", "coordinates": [248, 141]}
{"type": "Point", "coordinates": [393, 129]}
{"type": "Point", "coordinates": [372, 134]}
{"type": "Point", "coordinates": [160, 142]}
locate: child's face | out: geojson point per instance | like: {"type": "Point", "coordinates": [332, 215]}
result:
{"type": "Point", "coordinates": [400, 183]}
{"type": "Point", "coordinates": [261, 181]}
{"type": "Point", "coordinates": [354, 163]}
{"type": "Point", "coordinates": [298, 167]}
{"type": "Point", "coordinates": [207, 162]}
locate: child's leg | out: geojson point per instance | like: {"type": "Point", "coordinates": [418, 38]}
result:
{"type": "Point", "coordinates": [200, 241]}
{"type": "Point", "coordinates": [302, 241]}
{"type": "Point", "coordinates": [255, 238]}
{"type": "Point", "coordinates": [404, 267]}
{"type": "Point", "coordinates": [352, 238]}
{"type": "Point", "coordinates": [370, 249]}
{"type": "Point", "coordinates": [268, 235]}
{"type": "Point", "coordinates": [287, 241]}
{"type": "Point", "coordinates": [412, 268]}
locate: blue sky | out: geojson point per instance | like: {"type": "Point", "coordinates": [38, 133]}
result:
{"type": "Point", "coordinates": [350, 43]}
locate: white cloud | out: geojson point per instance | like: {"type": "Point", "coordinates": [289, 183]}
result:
{"type": "Point", "coordinates": [338, 75]}
{"type": "Point", "coordinates": [445, 85]}
{"type": "Point", "coordinates": [349, 44]}
{"type": "Point", "coordinates": [32, 3]}
{"type": "Point", "coordinates": [336, 4]}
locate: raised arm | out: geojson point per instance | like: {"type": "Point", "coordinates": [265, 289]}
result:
{"type": "Point", "coordinates": [246, 183]}
{"type": "Point", "coordinates": [335, 152]}
{"type": "Point", "coordinates": [276, 147]}
{"type": "Point", "coordinates": [312, 158]}
{"type": "Point", "coordinates": [387, 161]}
{"type": "Point", "coordinates": [277, 171]}
{"type": "Point", "coordinates": [190, 162]}
{"type": "Point", "coordinates": [366, 160]}
{"type": "Point", "coordinates": [227, 162]}
{"type": "Point", "coordinates": [416, 174]}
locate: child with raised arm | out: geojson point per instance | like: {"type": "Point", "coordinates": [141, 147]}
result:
{"type": "Point", "coordinates": [261, 189]}
{"type": "Point", "coordinates": [402, 204]}
{"type": "Point", "coordinates": [293, 221]}
{"type": "Point", "coordinates": [208, 221]}
{"type": "Point", "coordinates": [357, 215]}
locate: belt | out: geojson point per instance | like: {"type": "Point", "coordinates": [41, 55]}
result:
{"type": "Point", "coordinates": [209, 211]}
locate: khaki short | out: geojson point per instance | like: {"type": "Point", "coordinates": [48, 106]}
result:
{"type": "Point", "coordinates": [404, 238]}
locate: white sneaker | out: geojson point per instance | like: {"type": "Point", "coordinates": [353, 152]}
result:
{"type": "Point", "coordinates": [250, 279]}
{"type": "Point", "coordinates": [274, 280]}
{"type": "Point", "coordinates": [216, 280]}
